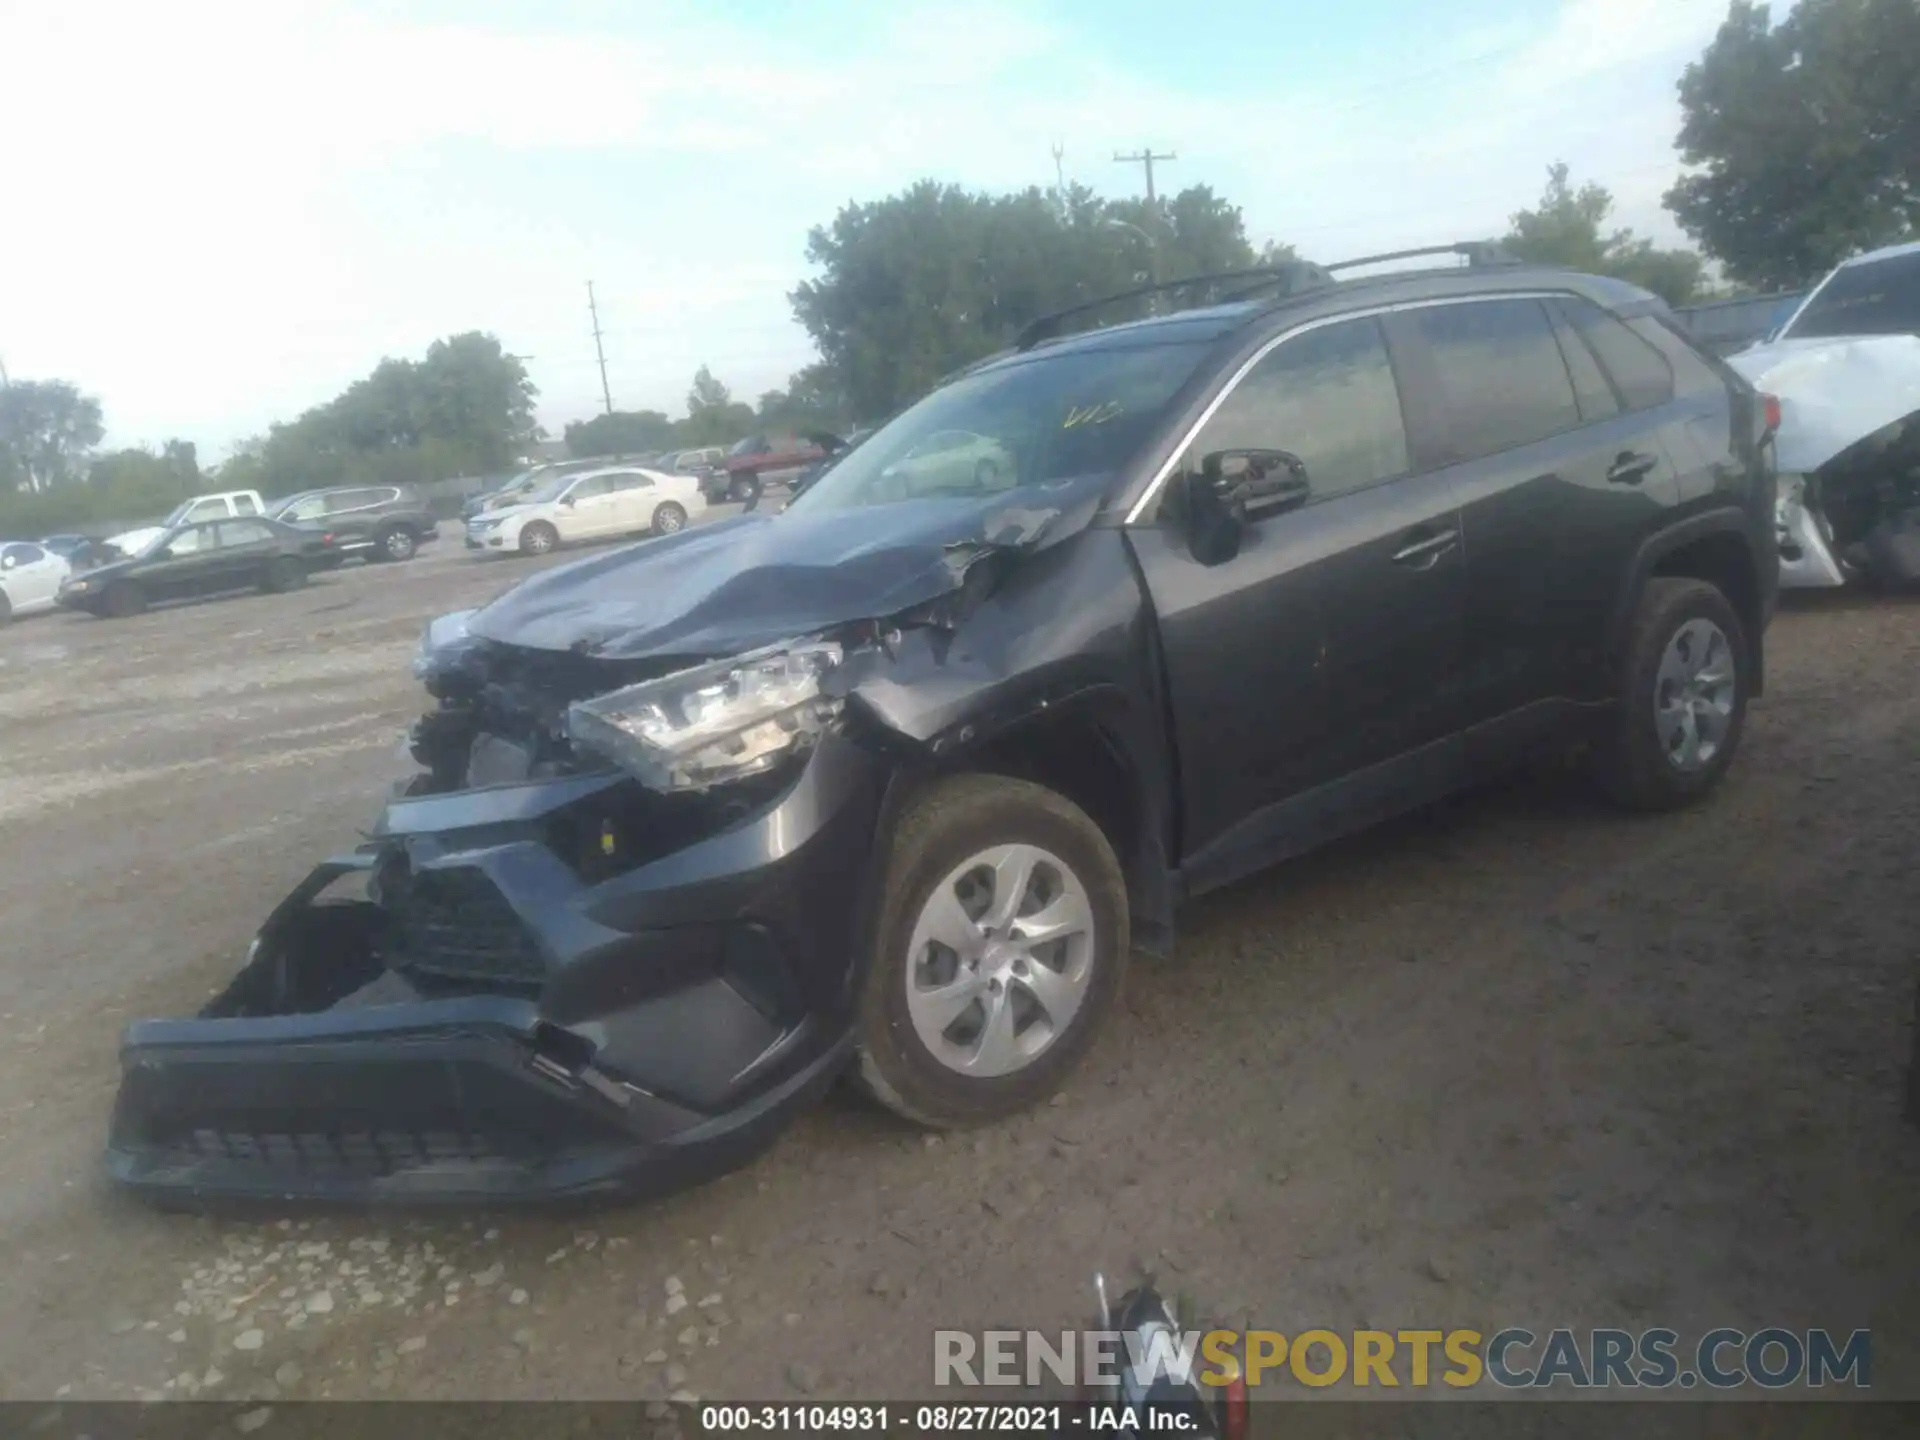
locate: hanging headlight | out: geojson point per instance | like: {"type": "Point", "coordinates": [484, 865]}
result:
{"type": "Point", "coordinates": [442, 634]}
{"type": "Point", "coordinates": [714, 723]}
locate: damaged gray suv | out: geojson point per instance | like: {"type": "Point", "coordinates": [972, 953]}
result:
{"type": "Point", "coordinates": [890, 784]}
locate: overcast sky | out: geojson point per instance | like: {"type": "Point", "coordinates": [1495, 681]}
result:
{"type": "Point", "coordinates": [220, 212]}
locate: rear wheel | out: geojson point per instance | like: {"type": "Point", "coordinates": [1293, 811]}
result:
{"type": "Point", "coordinates": [538, 538]}
{"type": "Point", "coordinates": [6, 608]}
{"type": "Point", "coordinates": [124, 599]}
{"type": "Point", "coordinates": [1000, 946]}
{"type": "Point", "coordinates": [1683, 697]}
{"type": "Point", "coordinates": [283, 574]}
{"type": "Point", "coordinates": [395, 544]}
{"type": "Point", "coordinates": [669, 519]}
{"type": "Point", "coordinates": [744, 488]}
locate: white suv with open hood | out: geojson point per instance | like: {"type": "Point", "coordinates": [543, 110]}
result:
{"type": "Point", "coordinates": [1846, 369]}
{"type": "Point", "coordinates": [588, 505]}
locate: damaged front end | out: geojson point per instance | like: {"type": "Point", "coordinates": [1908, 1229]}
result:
{"type": "Point", "coordinates": [1849, 457]}
{"type": "Point", "coordinates": [604, 941]}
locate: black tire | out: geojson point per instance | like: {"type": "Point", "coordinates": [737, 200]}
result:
{"type": "Point", "coordinates": [744, 488]}
{"type": "Point", "coordinates": [669, 519]}
{"type": "Point", "coordinates": [938, 830]}
{"type": "Point", "coordinates": [538, 538]}
{"type": "Point", "coordinates": [1634, 764]}
{"type": "Point", "coordinates": [6, 608]}
{"type": "Point", "coordinates": [123, 600]}
{"type": "Point", "coordinates": [283, 574]}
{"type": "Point", "coordinates": [395, 544]}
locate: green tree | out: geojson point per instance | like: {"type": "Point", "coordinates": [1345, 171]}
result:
{"type": "Point", "coordinates": [1806, 135]}
{"type": "Point", "coordinates": [1568, 228]}
{"type": "Point", "coordinates": [624, 432]}
{"type": "Point", "coordinates": [920, 283]}
{"type": "Point", "coordinates": [47, 430]}
{"type": "Point", "coordinates": [467, 408]}
{"type": "Point", "coordinates": [714, 417]}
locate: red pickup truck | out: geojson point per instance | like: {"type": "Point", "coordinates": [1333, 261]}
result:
{"type": "Point", "coordinates": [760, 460]}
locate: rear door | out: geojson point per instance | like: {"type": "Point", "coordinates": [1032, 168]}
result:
{"type": "Point", "coordinates": [352, 515]}
{"type": "Point", "coordinates": [245, 548]}
{"type": "Point", "coordinates": [1554, 479]}
{"type": "Point", "coordinates": [630, 502]}
{"type": "Point", "coordinates": [1332, 640]}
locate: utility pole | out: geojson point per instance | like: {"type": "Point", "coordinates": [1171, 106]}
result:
{"type": "Point", "coordinates": [606, 393]}
{"type": "Point", "coordinates": [1060, 170]}
{"type": "Point", "coordinates": [1145, 157]}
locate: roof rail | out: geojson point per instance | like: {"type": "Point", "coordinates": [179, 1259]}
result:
{"type": "Point", "coordinates": [1476, 252]}
{"type": "Point", "coordinates": [1292, 277]}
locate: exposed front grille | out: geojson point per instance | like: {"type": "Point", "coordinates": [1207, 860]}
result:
{"type": "Point", "coordinates": [455, 925]}
{"type": "Point", "coordinates": [363, 1153]}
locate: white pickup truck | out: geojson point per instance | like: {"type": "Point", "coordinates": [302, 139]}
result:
{"type": "Point", "coordinates": [221, 506]}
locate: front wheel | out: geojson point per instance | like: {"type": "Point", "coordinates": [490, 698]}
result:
{"type": "Point", "coordinates": [1000, 946]}
{"type": "Point", "coordinates": [538, 538]}
{"type": "Point", "coordinates": [124, 599]}
{"type": "Point", "coordinates": [6, 608]}
{"type": "Point", "coordinates": [1683, 697]}
{"type": "Point", "coordinates": [669, 519]}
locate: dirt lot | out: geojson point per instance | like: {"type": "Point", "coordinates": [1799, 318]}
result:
{"type": "Point", "coordinates": [1518, 1061]}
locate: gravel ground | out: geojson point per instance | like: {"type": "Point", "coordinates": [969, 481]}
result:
{"type": "Point", "coordinates": [1517, 1060]}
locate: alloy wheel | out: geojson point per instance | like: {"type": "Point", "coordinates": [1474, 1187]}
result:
{"type": "Point", "coordinates": [1000, 961]}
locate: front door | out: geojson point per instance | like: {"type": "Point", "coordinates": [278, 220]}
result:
{"type": "Point", "coordinates": [1331, 643]}
{"type": "Point", "coordinates": [589, 509]}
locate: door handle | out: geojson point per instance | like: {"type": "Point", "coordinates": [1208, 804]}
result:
{"type": "Point", "coordinates": [1630, 467]}
{"type": "Point", "coordinates": [1420, 554]}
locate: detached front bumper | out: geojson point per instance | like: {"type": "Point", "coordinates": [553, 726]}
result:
{"type": "Point", "coordinates": [553, 1037]}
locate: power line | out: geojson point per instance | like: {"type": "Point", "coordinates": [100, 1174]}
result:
{"type": "Point", "coordinates": [606, 392]}
{"type": "Point", "coordinates": [1145, 157]}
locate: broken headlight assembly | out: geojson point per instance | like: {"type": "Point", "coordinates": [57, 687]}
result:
{"type": "Point", "coordinates": [717, 722]}
{"type": "Point", "coordinates": [443, 635]}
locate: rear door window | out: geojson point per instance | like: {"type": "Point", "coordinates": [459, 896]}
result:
{"type": "Point", "coordinates": [207, 510]}
{"type": "Point", "coordinates": [235, 533]}
{"type": "Point", "coordinates": [1640, 372]}
{"type": "Point", "coordinates": [1497, 367]}
{"type": "Point", "coordinates": [244, 505]}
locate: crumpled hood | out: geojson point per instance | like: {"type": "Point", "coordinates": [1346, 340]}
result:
{"type": "Point", "coordinates": [1834, 393]}
{"type": "Point", "coordinates": [721, 588]}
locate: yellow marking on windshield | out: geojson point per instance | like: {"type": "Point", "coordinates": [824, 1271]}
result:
{"type": "Point", "coordinates": [1090, 415]}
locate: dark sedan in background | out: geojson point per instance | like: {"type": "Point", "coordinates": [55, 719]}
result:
{"type": "Point", "coordinates": [377, 522]}
{"type": "Point", "coordinates": [211, 558]}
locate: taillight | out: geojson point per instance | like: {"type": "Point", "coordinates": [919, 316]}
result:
{"type": "Point", "coordinates": [1770, 413]}
{"type": "Point", "coordinates": [327, 539]}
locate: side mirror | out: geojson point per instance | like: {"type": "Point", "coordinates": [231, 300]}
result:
{"type": "Point", "coordinates": [567, 501]}
{"type": "Point", "coordinates": [1233, 489]}
{"type": "Point", "coordinates": [1256, 483]}
{"type": "Point", "coordinates": [8, 563]}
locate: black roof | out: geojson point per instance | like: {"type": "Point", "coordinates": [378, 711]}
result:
{"type": "Point", "coordinates": [1329, 296]}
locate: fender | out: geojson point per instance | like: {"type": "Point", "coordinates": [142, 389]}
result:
{"type": "Point", "coordinates": [1721, 520]}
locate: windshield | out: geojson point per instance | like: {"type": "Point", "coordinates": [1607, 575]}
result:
{"type": "Point", "coordinates": [538, 492]}
{"type": "Point", "coordinates": [1039, 420]}
{"type": "Point", "coordinates": [1878, 298]}
{"type": "Point", "coordinates": [749, 446]}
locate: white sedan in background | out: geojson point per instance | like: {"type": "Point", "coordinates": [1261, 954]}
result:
{"type": "Point", "coordinates": [30, 578]}
{"type": "Point", "coordinates": [588, 505]}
